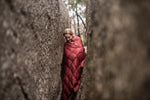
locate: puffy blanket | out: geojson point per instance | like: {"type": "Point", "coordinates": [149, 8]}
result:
{"type": "Point", "coordinates": [72, 66]}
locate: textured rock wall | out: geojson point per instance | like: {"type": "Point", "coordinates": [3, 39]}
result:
{"type": "Point", "coordinates": [118, 61]}
{"type": "Point", "coordinates": [31, 44]}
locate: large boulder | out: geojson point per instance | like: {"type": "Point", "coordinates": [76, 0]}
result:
{"type": "Point", "coordinates": [31, 45]}
{"type": "Point", "coordinates": [118, 62]}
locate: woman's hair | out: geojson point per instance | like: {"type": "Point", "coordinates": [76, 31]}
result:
{"type": "Point", "coordinates": [68, 31]}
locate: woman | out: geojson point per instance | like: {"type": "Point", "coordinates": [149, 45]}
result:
{"type": "Point", "coordinates": [72, 65]}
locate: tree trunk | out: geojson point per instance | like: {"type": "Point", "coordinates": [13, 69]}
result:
{"type": "Point", "coordinates": [78, 23]}
{"type": "Point", "coordinates": [75, 31]}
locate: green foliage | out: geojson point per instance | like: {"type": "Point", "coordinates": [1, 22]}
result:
{"type": "Point", "coordinates": [80, 1]}
{"type": "Point", "coordinates": [74, 3]}
{"type": "Point", "coordinates": [77, 1]}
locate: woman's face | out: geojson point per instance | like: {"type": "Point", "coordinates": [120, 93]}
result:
{"type": "Point", "coordinates": [68, 37]}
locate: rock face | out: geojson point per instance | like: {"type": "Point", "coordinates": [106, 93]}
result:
{"type": "Point", "coordinates": [31, 44]}
{"type": "Point", "coordinates": [118, 61]}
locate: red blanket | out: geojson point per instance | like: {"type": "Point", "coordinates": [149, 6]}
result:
{"type": "Point", "coordinates": [73, 61]}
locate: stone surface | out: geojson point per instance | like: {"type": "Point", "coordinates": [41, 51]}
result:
{"type": "Point", "coordinates": [31, 45]}
{"type": "Point", "coordinates": [118, 62]}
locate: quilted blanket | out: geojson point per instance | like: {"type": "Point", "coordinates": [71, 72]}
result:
{"type": "Point", "coordinates": [72, 66]}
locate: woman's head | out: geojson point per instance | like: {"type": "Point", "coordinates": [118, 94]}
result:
{"type": "Point", "coordinates": [68, 34]}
